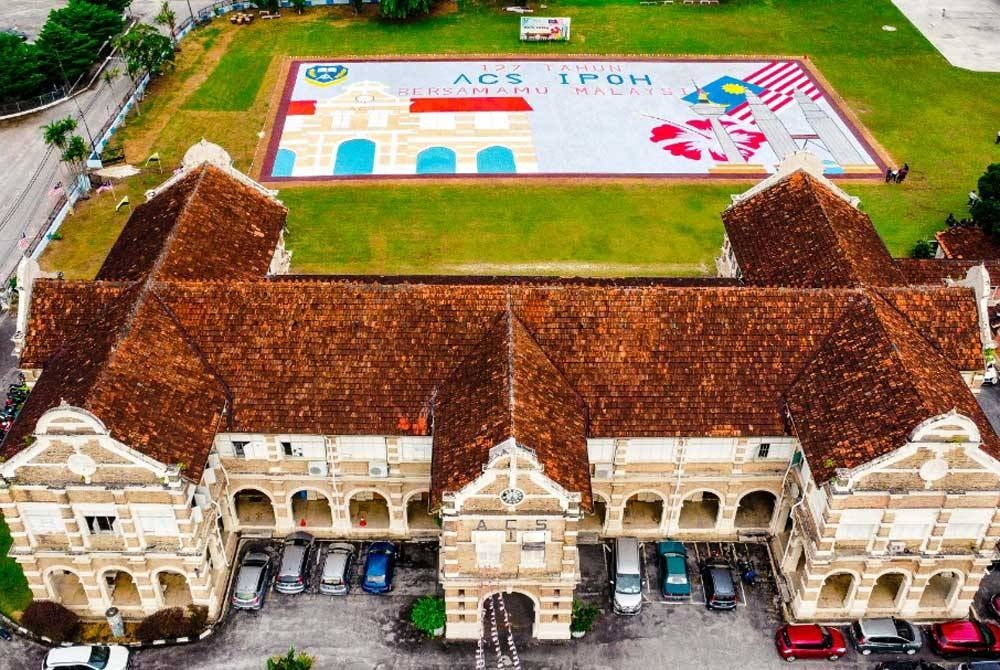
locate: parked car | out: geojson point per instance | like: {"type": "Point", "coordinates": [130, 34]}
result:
{"type": "Point", "coordinates": [336, 575]}
{"type": "Point", "coordinates": [251, 581]}
{"type": "Point", "coordinates": [796, 641]}
{"type": "Point", "coordinates": [720, 589]}
{"type": "Point", "coordinates": [980, 665]}
{"type": "Point", "coordinates": [966, 638]}
{"type": "Point", "coordinates": [291, 576]}
{"type": "Point", "coordinates": [886, 635]}
{"type": "Point", "coordinates": [97, 657]}
{"type": "Point", "coordinates": [675, 584]}
{"type": "Point", "coordinates": [627, 596]}
{"type": "Point", "coordinates": [909, 665]}
{"type": "Point", "coordinates": [379, 567]}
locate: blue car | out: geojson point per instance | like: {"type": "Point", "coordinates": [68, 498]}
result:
{"type": "Point", "coordinates": [379, 566]}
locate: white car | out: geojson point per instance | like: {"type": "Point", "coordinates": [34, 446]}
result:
{"type": "Point", "coordinates": [97, 657]}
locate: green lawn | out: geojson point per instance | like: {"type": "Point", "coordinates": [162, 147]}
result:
{"type": "Point", "coordinates": [923, 111]}
{"type": "Point", "coordinates": [14, 592]}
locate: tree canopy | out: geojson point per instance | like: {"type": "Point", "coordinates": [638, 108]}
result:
{"type": "Point", "coordinates": [20, 76]}
{"type": "Point", "coordinates": [986, 210]}
{"type": "Point", "coordinates": [144, 48]}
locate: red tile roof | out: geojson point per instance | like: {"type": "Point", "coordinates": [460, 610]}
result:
{"type": "Point", "coordinates": [506, 388]}
{"type": "Point", "coordinates": [968, 243]}
{"type": "Point", "coordinates": [799, 233]}
{"type": "Point", "coordinates": [874, 380]}
{"type": "Point", "coordinates": [934, 271]}
{"type": "Point", "coordinates": [206, 226]}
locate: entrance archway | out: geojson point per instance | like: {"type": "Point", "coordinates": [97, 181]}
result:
{"type": "Point", "coordinates": [643, 511]}
{"type": "Point", "coordinates": [355, 157]}
{"type": "Point", "coordinates": [67, 589]}
{"type": "Point", "coordinates": [175, 591]}
{"type": "Point", "coordinates": [521, 612]}
{"type": "Point", "coordinates": [495, 160]}
{"type": "Point", "coordinates": [253, 508]}
{"type": "Point", "coordinates": [312, 507]}
{"type": "Point", "coordinates": [941, 591]}
{"type": "Point", "coordinates": [436, 160]}
{"type": "Point", "coordinates": [755, 510]}
{"type": "Point", "coordinates": [837, 591]}
{"type": "Point", "coordinates": [369, 510]}
{"type": "Point", "coordinates": [417, 515]}
{"type": "Point", "coordinates": [594, 521]}
{"type": "Point", "coordinates": [121, 588]}
{"type": "Point", "coordinates": [888, 591]}
{"type": "Point", "coordinates": [699, 511]}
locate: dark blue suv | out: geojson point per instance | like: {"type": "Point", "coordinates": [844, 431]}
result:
{"type": "Point", "coordinates": [379, 566]}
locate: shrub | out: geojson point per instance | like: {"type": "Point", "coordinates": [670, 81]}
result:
{"type": "Point", "coordinates": [427, 614]}
{"type": "Point", "coordinates": [172, 622]}
{"type": "Point", "coordinates": [583, 617]}
{"type": "Point", "coordinates": [923, 249]}
{"type": "Point", "coordinates": [290, 661]}
{"type": "Point", "coordinates": [51, 620]}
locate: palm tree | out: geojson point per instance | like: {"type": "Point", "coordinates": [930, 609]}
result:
{"type": "Point", "coordinates": [55, 135]}
{"type": "Point", "coordinates": [167, 17]}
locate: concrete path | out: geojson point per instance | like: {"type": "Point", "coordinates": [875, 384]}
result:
{"type": "Point", "coordinates": [966, 32]}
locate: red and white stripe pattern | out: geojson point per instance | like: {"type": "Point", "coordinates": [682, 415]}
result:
{"type": "Point", "coordinates": [778, 79]}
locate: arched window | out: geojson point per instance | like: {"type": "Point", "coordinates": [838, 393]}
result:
{"type": "Point", "coordinates": [355, 157]}
{"type": "Point", "coordinates": [436, 160]}
{"type": "Point", "coordinates": [495, 160]}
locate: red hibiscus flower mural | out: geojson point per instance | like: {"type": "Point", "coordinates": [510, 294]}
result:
{"type": "Point", "coordinates": [694, 138]}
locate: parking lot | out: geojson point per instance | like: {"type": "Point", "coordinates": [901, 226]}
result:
{"type": "Point", "coordinates": [367, 631]}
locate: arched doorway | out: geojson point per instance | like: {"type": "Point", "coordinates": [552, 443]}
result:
{"type": "Point", "coordinates": [495, 160]}
{"type": "Point", "coordinates": [888, 592]}
{"type": "Point", "coordinates": [515, 616]}
{"type": "Point", "coordinates": [755, 510]}
{"type": "Point", "coordinates": [436, 160]}
{"type": "Point", "coordinates": [941, 591]}
{"type": "Point", "coordinates": [253, 508]}
{"type": "Point", "coordinates": [121, 589]}
{"type": "Point", "coordinates": [355, 157]}
{"type": "Point", "coordinates": [699, 511]}
{"type": "Point", "coordinates": [418, 516]}
{"type": "Point", "coordinates": [369, 510]}
{"type": "Point", "coordinates": [67, 589]}
{"type": "Point", "coordinates": [312, 508]}
{"type": "Point", "coordinates": [837, 591]}
{"type": "Point", "coordinates": [643, 511]}
{"type": "Point", "coordinates": [593, 522]}
{"type": "Point", "coordinates": [175, 591]}
{"type": "Point", "coordinates": [284, 162]}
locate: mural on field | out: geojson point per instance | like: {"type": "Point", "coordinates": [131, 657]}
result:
{"type": "Point", "coordinates": [610, 117]}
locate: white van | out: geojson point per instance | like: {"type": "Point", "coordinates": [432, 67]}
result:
{"type": "Point", "coordinates": [628, 577]}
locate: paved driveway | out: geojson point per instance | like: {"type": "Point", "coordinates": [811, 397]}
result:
{"type": "Point", "coordinates": [966, 32]}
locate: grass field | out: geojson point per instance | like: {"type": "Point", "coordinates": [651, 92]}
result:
{"type": "Point", "coordinates": [923, 111]}
{"type": "Point", "coordinates": [14, 592]}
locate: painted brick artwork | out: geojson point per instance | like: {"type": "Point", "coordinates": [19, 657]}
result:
{"type": "Point", "coordinates": [674, 118]}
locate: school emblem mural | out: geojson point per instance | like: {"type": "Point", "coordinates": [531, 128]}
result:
{"type": "Point", "coordinates": [325, 75]}
{"type": "Point", "coordinates": [735, 118]}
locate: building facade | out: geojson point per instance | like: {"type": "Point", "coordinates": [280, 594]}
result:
{"type": "Point", "coordinates": [816, 398]}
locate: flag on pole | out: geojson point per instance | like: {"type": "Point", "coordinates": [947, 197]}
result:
{"type": "Point", "coordinates": [103, 188]}
{"type": "Point", "coordinates": [153, 158]}
{"type": "Point", "coordinates": [122, 203]}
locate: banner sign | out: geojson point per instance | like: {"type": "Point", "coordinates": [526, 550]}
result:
{"type": "Point", "coordinates": [544, 29]}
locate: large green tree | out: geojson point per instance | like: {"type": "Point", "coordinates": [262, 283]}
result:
{"type": "Point", "coordinates": [96, 22]}
{"type": "Point", "coordinates": [63, 53]}
{"type": "Point", "coordinates": [21, 75]}
{"type": "Point", "coordinates": [986, 210]}
{"type": "Point", "coordinates": [115, 5]}
{"type": "Point", "coordinates": [167, 18]}
{"type": "Point", "coordinates": [401, 9]}
{"type": "Point", "coordinates": [144, 48]}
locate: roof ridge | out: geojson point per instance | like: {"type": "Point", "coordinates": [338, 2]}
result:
{"type": "Point", "coordinates": [161, 258]}
{"type": "Point", "coordinates": [511, 399]}
{"type": "Point", "coordinates": [811, 185]}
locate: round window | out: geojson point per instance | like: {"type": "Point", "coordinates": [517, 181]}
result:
{"type": "Point", "coordinates": [933, 469]}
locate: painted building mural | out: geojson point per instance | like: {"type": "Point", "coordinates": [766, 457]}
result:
{"type": "Point", "coordinates": [685, 118]}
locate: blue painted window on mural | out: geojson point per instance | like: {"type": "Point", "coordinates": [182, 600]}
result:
{"type": "Point", "coordinates": [355, 157]}
{"type": "Point", "coordinates": [284, 161]}
{"type": "Point", "coordinates": [495, 160]}
{"type": "Point", "coordinates": [436, 160]}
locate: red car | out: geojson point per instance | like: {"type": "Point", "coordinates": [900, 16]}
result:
{"type": "Point", "coordinates": [809, 641]}
{"type": "Point", "coordinates": [966, 638]}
